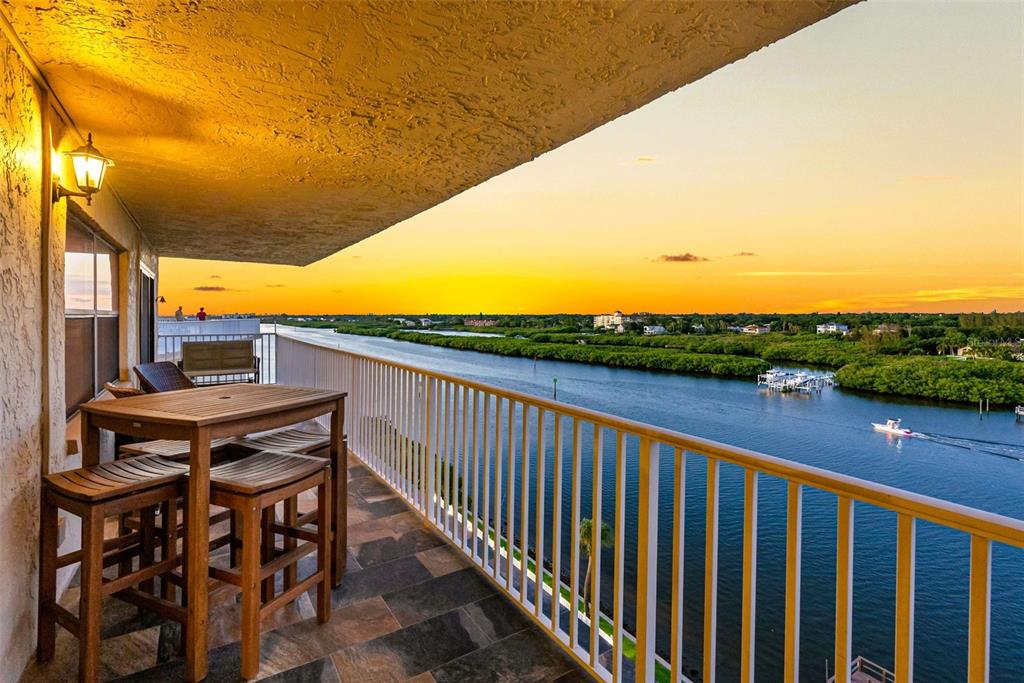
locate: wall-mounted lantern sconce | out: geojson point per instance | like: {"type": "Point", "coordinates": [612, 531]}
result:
{"type": "Point", "coordinates": [161, 300]}
{"type": "Point", "coordinates": [90, 167]}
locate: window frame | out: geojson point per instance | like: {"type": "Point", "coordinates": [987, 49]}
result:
{"type": "Point", "coordinates": [95, 313]}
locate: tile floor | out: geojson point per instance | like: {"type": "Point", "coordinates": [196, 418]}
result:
{"type": "Point", "coordinates": [410, 608]}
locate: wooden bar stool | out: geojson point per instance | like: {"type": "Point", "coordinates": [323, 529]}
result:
{"type": "Point", "coordinates": [94, 493]}
{"type": "Point", "coordinates": [313, 439]}
{"type": "Point", "coordinates": [251, 488]}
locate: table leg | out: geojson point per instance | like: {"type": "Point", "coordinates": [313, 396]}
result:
{"type": "Point", "coordinates": [197, 539]}
{"type": "Point", "coordinates": [339, 496]}
{"type": "Point", "coordinates": [90, 441]}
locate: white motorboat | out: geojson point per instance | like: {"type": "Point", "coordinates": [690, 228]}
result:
{"type": "Point", "coordinates": [892, 426]}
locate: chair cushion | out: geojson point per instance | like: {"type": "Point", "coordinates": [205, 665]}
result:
{"type": "Point", "coordinates": [111, 479]}
{"type": "Point", "coordinates": [264, 471]}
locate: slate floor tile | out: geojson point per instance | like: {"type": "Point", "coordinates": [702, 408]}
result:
{"type": "Point", "coordinates": [424, 600]}
{"type": "Point", "coordinates": [497, 617]}
{"type": "Point", "coordinates": [383, 578]}
{"type": "Point", "coordinates": [412, 650]}
{"type": "Point", "coordinates": [525, 656]}
{"type": "Point", "coordinates": [391, 547]}
{"type": "Point", "coordinates": [443, 559]}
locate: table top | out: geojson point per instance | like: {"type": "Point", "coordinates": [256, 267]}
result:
{"type": "Point", "coordinates": [212, 405]}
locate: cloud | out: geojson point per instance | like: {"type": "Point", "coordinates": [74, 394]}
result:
{"type": "Point", "coordinates": [275, 285]}
{"type": "Point", "coordinates": [215, 277]}
{"type": "Point", "coordinates": [645, 160]}
{"type": "Point", "coordinates": [745, 253]}
{"type": "Point", "coordinates": [799, 273]}
{"type": "Point", "coordinates": [210, 288]}
{"type": "Point", "coordinates": [983, 294]}
{"type": "Point", "coordinates": [681, 258]}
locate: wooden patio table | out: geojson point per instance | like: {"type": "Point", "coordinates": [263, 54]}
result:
{"type": "Point", "coordinates": [197, 416]}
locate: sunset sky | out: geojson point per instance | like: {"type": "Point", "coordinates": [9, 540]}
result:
{"type": "Point", "coordinates": [870, 162]}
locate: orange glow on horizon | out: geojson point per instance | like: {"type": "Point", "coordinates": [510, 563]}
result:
{"type": "Point", "coordinates": [869, 162]}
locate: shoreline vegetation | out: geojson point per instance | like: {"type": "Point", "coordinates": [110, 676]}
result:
{"type": "Point", "coordinates": [907, 359]}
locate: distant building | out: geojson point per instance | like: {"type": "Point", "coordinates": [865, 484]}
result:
{"type": "Point", "coordinates": [698, 328]}
{"type": "Point", "coordinates": [610, 321]}
{"type": "Point", "coordinates": [654, 329]}
{"type": "Point", "coordinates": [404, 322]}
{"type": "Point", "coordinates": [887, 328]}
{"type": "Point", "coordinates": [426, 322]}
{"type": "Point", "coordinates": [478, 322]}
{"type": "Point", "coordinates": [833, 328]}
{"type": "Point", "coordinates": [756, 329]}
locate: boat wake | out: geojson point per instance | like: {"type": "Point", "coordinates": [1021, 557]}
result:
{"type": "Point", "coordinates": [1011, 451]}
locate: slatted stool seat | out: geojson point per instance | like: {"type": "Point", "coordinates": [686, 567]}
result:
{"type": "Point", "coordinates": [306, 438]}
{"type": "Point", "coordinates": [94, 493]}
{"type": "Point", "coordinates": [251, 488]}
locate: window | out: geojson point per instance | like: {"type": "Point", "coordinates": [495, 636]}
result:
{"type": "Point", "coordinates": [90, 315]}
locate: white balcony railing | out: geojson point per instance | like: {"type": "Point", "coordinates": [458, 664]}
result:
{"type": "Point", "coordinates": [466, 454]}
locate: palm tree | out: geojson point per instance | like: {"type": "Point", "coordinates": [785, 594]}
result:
{"type": "Point", "coordinates": [586, 545]}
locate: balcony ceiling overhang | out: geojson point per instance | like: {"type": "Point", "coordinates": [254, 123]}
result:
{"type": "Point", "coordinates": [283, 132]}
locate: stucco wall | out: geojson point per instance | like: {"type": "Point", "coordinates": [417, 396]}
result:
{"type": "Point", "coordinates": [32, 339]}
{"type": "Point", "coordinates": [21, 361]}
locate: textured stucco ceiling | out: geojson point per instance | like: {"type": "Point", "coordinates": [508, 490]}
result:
{"type": "Point", "coordinates": [285, 131]}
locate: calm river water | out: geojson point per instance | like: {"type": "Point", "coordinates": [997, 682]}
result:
{"type": "Point", "coordinates": [963, 458]}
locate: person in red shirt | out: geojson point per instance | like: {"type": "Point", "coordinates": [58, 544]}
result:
{"type": "Point", "coordinates": [201, 315]}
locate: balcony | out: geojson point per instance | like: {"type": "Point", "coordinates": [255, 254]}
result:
{"type": "Point", "coordinates": [354, 118]}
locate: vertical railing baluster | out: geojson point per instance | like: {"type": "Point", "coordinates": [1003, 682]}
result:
{"type": "Point", "coordinates": [596, 522]}
{"type": "Point", "coordinates": [445, 458]}
{"type": "Point", "coordinates": [406, 435]}
{"type": "Point", "coordinates": [485, 475]}
{"type": "Point", "coordinates": [524, 511]}
{"type": "Point", "coordinates": [647, 560]}
{"type": "Point", "coordinates": [497, 487]}
{"type": "Point", "coordinates": [749, 606]}
{"type": "Point", "coordinates": [905, 551]}
{"type": "Point", "coordinates": [442, 481]}
{"type": "Point", "coordinates": [618, 576]}
{"type": "Point", "coordinates": [428, 443]}
{"type": "Point", "coordinates": [510, 499]}
{"type": "Point", "coordinates": [711, 573]}
{"type": "Point", "coordinates": [475, 519]}
{"type": "Point", "coordinates": [678, 548]}
{"type": "Point", "coordinates": [556, 524]}
{"type": "Point", "coordinates": [440, 432]}
{"type": "Point", "coordinates": [979, 610]}
{"type": "Point", "coordinates": [538, 542]}
{"type": "Point", "coordinates": [794, 543]}
{"type": "Point", "coordinates": [574, 547]}
{"type": "Point", "coordinates": [464, 460]}
{"type": "Point", "coordinates": [844, 588]}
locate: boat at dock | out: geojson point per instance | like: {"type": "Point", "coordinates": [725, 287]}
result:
{"type": "Point", "coordinates": [892, 426]}
{"type": "Point", "coordinates": [785, 381]}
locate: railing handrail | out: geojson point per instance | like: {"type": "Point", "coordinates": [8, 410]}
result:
{"type": "Point", "coordinates": [990, 525]}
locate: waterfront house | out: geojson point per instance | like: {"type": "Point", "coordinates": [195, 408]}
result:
{"type": "Point", "coordinates": [479, 322]}
{"type": "Point", "coordinates": [654, 329]}
{"type": "Point", "coordinates": [282, 133]}
{"type": "Point", "coordinates": [887, 328]}
{"type": "Point", "coordinates": [833, 328]}
{"type": "Point", "coordinates": [756, 329]}
{"type": "Point", "coordinates": [611, 321]}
